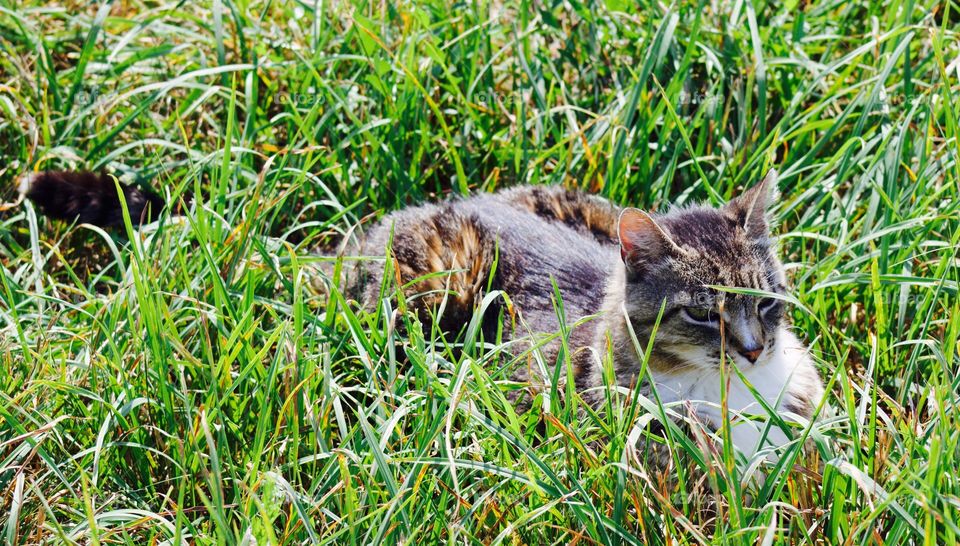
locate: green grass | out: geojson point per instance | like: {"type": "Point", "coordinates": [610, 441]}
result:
{"type": "Point", "coordinates": [187, 383]}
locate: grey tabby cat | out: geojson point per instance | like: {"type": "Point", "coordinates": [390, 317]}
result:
{"type": "Point", "coordinates": [622, 266]}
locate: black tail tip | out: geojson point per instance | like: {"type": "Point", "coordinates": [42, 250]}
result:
{"type": "Point", "coordinates": [41, 187]}
{"type": "Point", "coordinates": [67, 195]}
{"type": "Point", "coordinates": [88, 197]}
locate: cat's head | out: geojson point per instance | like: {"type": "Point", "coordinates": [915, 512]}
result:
{"type": "Point", "coordinates": [680, 256]}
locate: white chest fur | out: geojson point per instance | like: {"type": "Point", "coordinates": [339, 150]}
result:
{"type": "Point", "coordinates": [783, 379]}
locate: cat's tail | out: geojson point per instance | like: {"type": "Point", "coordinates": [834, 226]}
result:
{"type": "Point", "coordinates": [90, 198]}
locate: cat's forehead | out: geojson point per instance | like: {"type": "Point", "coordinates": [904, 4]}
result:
{"type": "Point", "coordinates": [706, 231]}
{"type": "Point", "coordinates": [716, 248]}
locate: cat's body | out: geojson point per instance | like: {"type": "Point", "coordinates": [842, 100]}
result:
{"type": "Point", "coordinates": [622, 268]}
{"type": "Point", "coordinates": [545, 236]}
{"type": "Point", "coordinates": [536, 236]}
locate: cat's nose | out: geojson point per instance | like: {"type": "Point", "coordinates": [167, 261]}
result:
{"type": "Point", "coordinates": [751, 353]}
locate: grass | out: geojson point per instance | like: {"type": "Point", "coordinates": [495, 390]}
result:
{"type": "Point", "coordinates": [187, 384]}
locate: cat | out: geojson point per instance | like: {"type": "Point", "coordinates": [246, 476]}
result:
{"type": "Point", "coordinates": [616, 263]}
{"type": "Point", "coordinates": [631, 270]}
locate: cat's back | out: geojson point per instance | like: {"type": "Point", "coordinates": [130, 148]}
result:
{"type": "Point", "coordinates": [546, 235]}
{"type": "Point", "coordinates": [522, 240]}
{"type": "Point", "coordinates": [544, 225]}
{"type": "Point", "coordinates": [568, 222]}
{"type": "Point", "coordinates": [585, 213]}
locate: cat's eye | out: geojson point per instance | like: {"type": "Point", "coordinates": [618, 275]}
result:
{"type": "Point", "coordinates": [767, 304]}
{"type": "Point", "coordinates": [700, 314]}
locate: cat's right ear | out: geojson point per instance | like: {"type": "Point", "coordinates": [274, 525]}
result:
{"type": "Point", "coordinates": [642, 241]}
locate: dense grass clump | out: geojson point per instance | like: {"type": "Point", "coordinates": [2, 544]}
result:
{"type": "Point", "coordinates": [187, 384]}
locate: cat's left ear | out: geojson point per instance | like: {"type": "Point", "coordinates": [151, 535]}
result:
{"type": "Point", "coordinates": [643, 243]}
{"type": "Point", "coordinates": [749, 208]}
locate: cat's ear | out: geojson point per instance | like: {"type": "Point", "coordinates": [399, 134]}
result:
{"type": "Point", "coordinates": [749, 208]}
{"type": "Point", "coordinates": [642, 241]}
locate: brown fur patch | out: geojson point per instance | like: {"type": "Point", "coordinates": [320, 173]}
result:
{"type": "Point", "coordinates": [442, 258]}
{"type": "Point", "coordinates": [462, 252]}
{"type": "Point", "coordinates": [583, 212]}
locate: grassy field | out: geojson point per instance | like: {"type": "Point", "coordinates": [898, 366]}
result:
{"type": "Point", "coordinates": [186, 384]}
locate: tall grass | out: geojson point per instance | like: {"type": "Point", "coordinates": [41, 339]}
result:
{"type": "Point", "coordinates": [187, 383]}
